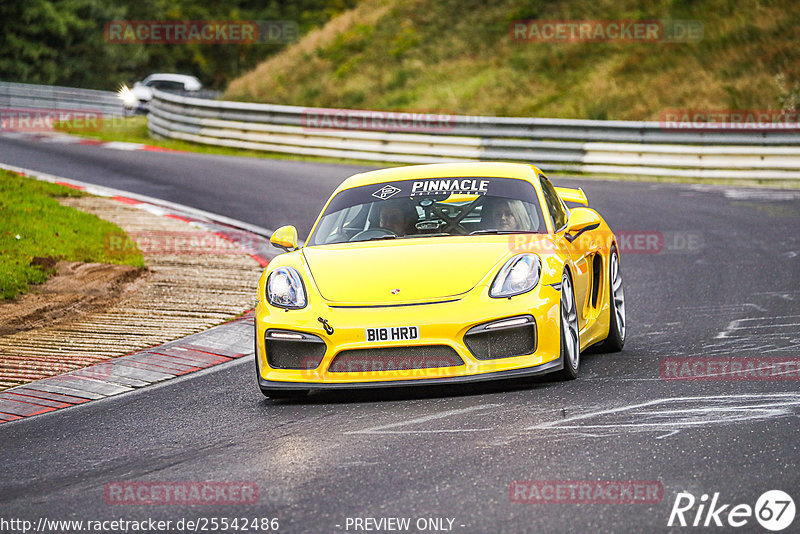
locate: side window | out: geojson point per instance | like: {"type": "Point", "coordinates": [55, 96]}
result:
{"type": "Point", "coordinates": [554, 204]}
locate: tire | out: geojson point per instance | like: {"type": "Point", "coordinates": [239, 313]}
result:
{"type": "Point", "coordinates": [569, 332]}
{"type": "Point", "coordinates": [616, 307]}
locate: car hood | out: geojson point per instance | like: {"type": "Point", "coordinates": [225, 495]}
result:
{"type": "Point", "coordinates": [421, 269]}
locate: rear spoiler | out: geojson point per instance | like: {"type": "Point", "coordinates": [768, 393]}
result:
{"type": "Point", "coordinates": [568, 194]}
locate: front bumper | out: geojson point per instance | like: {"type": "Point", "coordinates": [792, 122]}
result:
{"type": "Point", "coordinates": [549, 367]}
{"type": "Point", "coordinates": [443, 323]}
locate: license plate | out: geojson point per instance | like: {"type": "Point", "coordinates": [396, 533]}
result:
{"type": "Point", "coordinates": [395, 333]}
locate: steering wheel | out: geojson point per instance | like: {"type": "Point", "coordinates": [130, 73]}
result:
{"type": "Point", "coordinates": [378, 231]}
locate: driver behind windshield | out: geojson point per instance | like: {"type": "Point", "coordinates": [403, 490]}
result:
{"type": "Point", "coordinates": [505, 214]}
{"type": "Point", "coordinates": [397, 216]}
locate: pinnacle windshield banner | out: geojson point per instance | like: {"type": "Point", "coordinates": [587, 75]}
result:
{"type": "Point", "coordinates": [436, 189]}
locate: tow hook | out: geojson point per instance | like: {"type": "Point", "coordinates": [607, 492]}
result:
{"type": "Point", "coordinates": [328, 328]}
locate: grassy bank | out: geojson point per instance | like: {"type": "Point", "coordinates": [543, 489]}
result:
{"type": "Point", "coordinates": [35, 225]}
{"type": "Point", "coordinates": [458, 56]}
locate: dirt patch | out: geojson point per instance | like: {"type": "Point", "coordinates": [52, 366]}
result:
{"type": "Point", "coordinates": [76, 290]}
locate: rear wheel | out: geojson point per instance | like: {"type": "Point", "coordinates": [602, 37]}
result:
{"type": "Point", "coordinates": [570, 336]}
{"type": "Point", "coordinates": [616, 305]}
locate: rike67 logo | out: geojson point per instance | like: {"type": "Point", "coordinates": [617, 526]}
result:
{"type": "Point", "coordinates": [774, 510]}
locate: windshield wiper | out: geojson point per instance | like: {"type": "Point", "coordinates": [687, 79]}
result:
{"type": "Point", "coordinates": [496, 231]}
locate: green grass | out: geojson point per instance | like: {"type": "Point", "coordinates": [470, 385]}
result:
{"type": "Point", "coordinates": [33, 224]}
{"type": "Point", "coordinates": [457, 56]}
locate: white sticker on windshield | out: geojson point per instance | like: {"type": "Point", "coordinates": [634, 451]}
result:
{"type": "Point", "coordinates": [385, 192]}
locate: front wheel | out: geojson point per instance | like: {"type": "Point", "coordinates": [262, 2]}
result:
{"type": "Point", "coordinates": [616, 305]}
{"type": "Point", "coordinates": [570, 336]}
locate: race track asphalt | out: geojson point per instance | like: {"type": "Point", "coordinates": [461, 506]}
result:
{"type": "Point", "coordinates": [724, 283]}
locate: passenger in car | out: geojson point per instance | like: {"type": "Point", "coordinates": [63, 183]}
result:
{"type": "Point", "coordinates": [505, 214]}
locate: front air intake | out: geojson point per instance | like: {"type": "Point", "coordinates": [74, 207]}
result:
{"type": "Point", "coordinates": [395, 359]}
{"type": "Point", "coordinates": [506, 338]}
{"type": "Point", "coordinates": [293, 350]}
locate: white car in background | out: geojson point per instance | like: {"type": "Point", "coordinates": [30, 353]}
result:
{"type": "Point", "coordinates": [137, 98]}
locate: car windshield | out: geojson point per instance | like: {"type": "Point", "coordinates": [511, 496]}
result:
{"type": "Point", "coordinates": [430, 207]}
{"type": "Point", "coordinates": [166, 85]}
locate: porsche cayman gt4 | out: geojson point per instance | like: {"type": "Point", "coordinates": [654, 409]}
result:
{"type": "Point", "coordinates": [441, 273]}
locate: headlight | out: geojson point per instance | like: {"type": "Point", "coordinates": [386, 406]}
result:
{"type": "Point", "coordinates": [285, 288]}
{"type": "Point", "coordinates": [519, 275]}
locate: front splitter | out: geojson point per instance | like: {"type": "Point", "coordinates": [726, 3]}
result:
{"type": "Point", "coordinates": [549, 367]}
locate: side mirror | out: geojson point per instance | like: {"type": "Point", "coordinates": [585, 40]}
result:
{"type": "Point", "coordinates": [581, 220]}
{"type": "Point", "coordinates": [285, 238]}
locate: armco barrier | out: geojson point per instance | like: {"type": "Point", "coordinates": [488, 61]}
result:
{"type": "Point", "coordinates": [612, 147]}
{"type": "Point", "coordinates": [615, 147]}
{"type": "Point", "coordinates": [52, 98]}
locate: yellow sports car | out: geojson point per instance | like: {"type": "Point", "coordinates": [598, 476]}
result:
{"type": "Point", "coordinates": [433, 274]}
